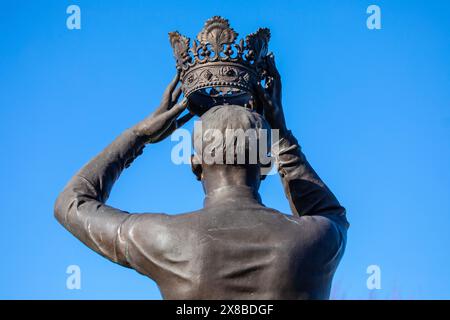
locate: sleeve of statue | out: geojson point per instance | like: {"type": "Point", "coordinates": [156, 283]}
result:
{"type": "Point", "coordinates": [81, 207]}
{"type": "Point", "coordinates": [306, 192]}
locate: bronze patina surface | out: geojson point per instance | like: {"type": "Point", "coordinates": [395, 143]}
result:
{"type": "Point", "coordinates": [234, 247]}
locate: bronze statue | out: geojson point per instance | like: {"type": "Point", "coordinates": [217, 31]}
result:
{"type": "Point", "coordinates": [234, 247]}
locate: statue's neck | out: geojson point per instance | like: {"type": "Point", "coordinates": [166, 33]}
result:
{"type": "Point", "coordinates": [232, 195]}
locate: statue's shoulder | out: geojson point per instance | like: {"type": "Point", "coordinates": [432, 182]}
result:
{"type": "Point", "coordinates": [161, 223]}
{"type": "Point", "coordinates": [157, 233]}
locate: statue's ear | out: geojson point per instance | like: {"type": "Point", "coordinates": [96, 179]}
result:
{"type": "Point", "coordinates": [196, 166]}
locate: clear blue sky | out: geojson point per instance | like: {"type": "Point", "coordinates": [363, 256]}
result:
{"type": "Point", "coordinates": [370, 107]}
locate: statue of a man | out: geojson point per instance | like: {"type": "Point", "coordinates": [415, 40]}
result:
{"type": "Point", "coordinates": [234, 247]}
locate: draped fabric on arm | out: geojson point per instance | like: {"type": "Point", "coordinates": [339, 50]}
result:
{"type": "Point", "coordinates": [306, 192]}
{"type": "Point", "coordinates": [81, 208]}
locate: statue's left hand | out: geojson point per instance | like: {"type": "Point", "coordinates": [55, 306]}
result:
{"type": "Point", "coordinates": [164, 120]}
{"type": "Point", "coordinates": [270, 97]}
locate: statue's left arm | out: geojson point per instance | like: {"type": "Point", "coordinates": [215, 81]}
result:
{"type": "Point", "coordinates": [81, 207]}
{"type": "Point", "coordinates": [311, 201]}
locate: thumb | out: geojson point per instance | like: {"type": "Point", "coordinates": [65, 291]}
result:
{"type": "Point", "coordinates": [177, 108]}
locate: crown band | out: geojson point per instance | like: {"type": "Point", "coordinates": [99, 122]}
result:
{"type": "Point", "coordinates": [218, 74]}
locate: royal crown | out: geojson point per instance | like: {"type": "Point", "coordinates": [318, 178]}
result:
{"type": "Point", "coordinates": [218, 69]}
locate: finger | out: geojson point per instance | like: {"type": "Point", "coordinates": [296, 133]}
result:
{"type": "Point", "coordinates": [169, 90]}
{"type": "Point", "coordinates": [263, 93]}
{"type": "Point", "coordinates": [172, 85]}
{"type": "Point", "coordinates": [165, 133]}
{"type": "Point", "coordinates": [177, 109]}
{"type": "Point", "coordinates": [272, 59]}
{"type": "Point", "coordinates": [264, 97]}
{"type": "Point", "coordinates": [261, 98]}
{"type": "Point", "coordinates": [176, 95]}
{"type": "Point", "coordinates": [260, 92]}
{"type": "Point", "coordinates": [272, 66]}
{"type": "Point", "coordinates": [173, 126]}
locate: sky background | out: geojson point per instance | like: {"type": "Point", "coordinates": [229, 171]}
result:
{"type": "Point", "coordinates": [371, 109]}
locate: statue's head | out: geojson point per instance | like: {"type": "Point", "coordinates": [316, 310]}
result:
{"type": "Point", "coordinates": [218, 69]}
{"type": "Point", "coordinates": [219, 75]}
{"type": "Point", "coordinates": [230, 138]}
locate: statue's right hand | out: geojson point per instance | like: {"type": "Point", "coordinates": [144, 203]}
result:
{"type": "Point", "coordinates": [163, 121]}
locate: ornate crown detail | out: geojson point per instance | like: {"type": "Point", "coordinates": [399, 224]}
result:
{"type": "Point", "coordinates": [215, 65]}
